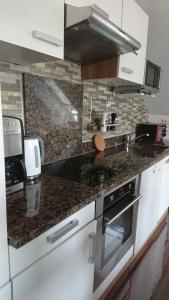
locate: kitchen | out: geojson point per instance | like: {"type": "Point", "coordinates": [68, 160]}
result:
{"type": "Point", "coordinates": [61, 227]}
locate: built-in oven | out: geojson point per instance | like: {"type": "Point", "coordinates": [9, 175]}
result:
{"type": "Point", "coordinates": [116, 216]}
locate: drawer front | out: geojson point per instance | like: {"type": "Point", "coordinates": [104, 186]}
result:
{"type": "Point", "coordinates": [64, 273]}
{"type": "Point", "coordinates": [23, 257]}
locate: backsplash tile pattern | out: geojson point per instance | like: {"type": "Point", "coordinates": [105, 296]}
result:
{"type": "Point", "coordinates": [53, 110]}
{"type": "Point", "coordinates": [11, 91]}
{"type": "Point", "coordinates": [129, 111]}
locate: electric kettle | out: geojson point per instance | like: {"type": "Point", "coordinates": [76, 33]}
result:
{"type": "Point", "coordinates": [34, 156]}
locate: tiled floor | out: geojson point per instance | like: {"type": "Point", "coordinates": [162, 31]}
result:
{"type": "Point", "coordinates": [150, 279]}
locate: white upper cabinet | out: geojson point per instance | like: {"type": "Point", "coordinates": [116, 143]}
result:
{"type": "Point", "coordinates": [37, 26]}
{"type": "Point", "coordinates": [112, 7]}
{"type": "Point", "coordinates": [135, 23]}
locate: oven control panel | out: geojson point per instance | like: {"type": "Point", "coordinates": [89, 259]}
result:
{"type": "Point", "coordinates": [124, 190]}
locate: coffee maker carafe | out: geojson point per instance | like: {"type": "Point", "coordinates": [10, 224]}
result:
{"type": "Point", "coordinates": [15, 171]}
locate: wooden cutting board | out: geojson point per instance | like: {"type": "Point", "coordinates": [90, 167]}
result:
{"type": "Point", "coordinates": [98, 142]}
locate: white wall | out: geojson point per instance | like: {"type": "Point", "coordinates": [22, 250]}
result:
{"type": "Point", "coordinates": [158, 51]}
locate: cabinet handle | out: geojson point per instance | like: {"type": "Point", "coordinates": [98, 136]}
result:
{"type": "Point", "coordinates": [46, 38]}
{"type": "Point", "coordinates": [167, 161]}
{"type": "Point", "coordinates": [127, 70]}
{"type": "Point", "coordinates": [62, 231]}
{"type": "Point", "coordinates": [92, 237]}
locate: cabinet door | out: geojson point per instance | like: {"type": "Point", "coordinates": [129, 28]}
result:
{"type": "Point", "coordinates": [142, 279]}
{"type": "Point", "coordinates": [135, 23]}
{"type": "Point", "coordinates": [5, 292]}
{"type": "Point", "coordinates": [150, 189]}
{"type": "Point", "coordinates": [4, 264]}
{"type": "Point", "coordinates": [112, 7]}
{"type": "Point", "coordinates": [149, 271]}
{"type": "Point", "coordinates": [159, 248]}
{"type": "Point", "coordinates": [18, 21]}
{"type": "Point", "coordinates": [164, 199]}
{"type": "Point", "coordinates": [1, 129]}
{"type": "Point", "coordinates": [64, 273]}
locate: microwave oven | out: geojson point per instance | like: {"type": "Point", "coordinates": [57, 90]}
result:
{"type": "Point", "coordinates": [152, 76]}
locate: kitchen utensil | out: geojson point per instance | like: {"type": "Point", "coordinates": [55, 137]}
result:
{"type": "Point", "coordinates": [103, 118]}
{"type": "Point", "coordinates": [113, 118]}
{"type": "Point", "coordinates": [98, 142]}
{"type": "Point", "coordinates": [103, 128]}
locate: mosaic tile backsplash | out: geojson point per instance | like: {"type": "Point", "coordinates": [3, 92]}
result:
{"type": "Point", "coordinates": [53, 111]}
{"type": "Point", "coordinates": [129, 111]}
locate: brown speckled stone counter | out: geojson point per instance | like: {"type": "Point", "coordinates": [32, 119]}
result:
{"type": "Point", "coordinates": [59, 198]}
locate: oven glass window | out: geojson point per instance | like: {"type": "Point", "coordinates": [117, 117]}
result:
{"type": "Point", "coordinates": [115, 231]}
{"type": "Point", "coordinates": [116, 234]}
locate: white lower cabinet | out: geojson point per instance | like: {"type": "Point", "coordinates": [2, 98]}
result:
{"type": "Point", "coordinates": [158, 260]}
{"type": "Point", "coordinates": [150, 188]}
{"type": "Point", "coordinates": [5, 292]}
{"type": "Point", "coordinates": [143, 277]}
{"type": "Point", "coordinates": [164, 198]}
{"type": "Point", "coordinates": [150, 269]}
{"type": "Point", "coordinates": [64, 273]}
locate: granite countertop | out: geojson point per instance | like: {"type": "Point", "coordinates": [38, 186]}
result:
{"type": "Point", "coordinates": [59, 198]}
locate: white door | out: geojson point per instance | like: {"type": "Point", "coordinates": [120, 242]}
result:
{"type": "Point", "coordinates": [18, 20]}
{"type": "Point", "coordinates": [159, 249]}
{"type": "Point", "coordinates": [5, 292]}
{"type": "Point", "coordinates": [64, 273]}
{"type": "Point", "coordinates": [135, 23]}
{"type": "Point", "coordinates": [164, 199]}
{"type": "Point", "coordinates": [150, 189]}
{"type": "Point", "coordinates": [4, 265]}
{"type": "Point", "coordinates": [149, 271]}
{"type": "Point", "coordinates": [112, 7]}
{"type": "Point", "coordinates": [142, 279]}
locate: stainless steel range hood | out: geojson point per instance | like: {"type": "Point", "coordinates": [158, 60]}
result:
{"type": "Point", "coordinates": [135, 89]}
{"type": "Point", "coordinates": [122, 87]}
{"type": "Point", "coordinates": [90, 36]}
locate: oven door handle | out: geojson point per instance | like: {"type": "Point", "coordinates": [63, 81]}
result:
{"type": "Point", "coordinates": [126, 208]}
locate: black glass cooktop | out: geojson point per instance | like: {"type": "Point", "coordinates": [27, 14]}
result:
{"type": "Point", "coordinates": [89, 169]}
{"type": "Point", "coordinates": [95, 168]}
